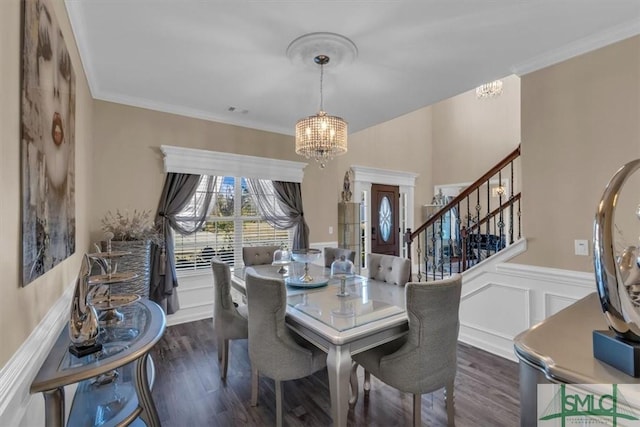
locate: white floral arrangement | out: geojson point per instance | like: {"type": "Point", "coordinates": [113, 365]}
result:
{"type": "Point", "coordinates": [130, 226]}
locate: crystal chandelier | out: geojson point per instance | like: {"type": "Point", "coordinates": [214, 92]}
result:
{"type": "Point", "coordinates": [489, 90]}
{"type": "Point", "coordinates": [321, 137]}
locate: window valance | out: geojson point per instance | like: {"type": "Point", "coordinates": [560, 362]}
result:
{"type": "Point", "coordinates": [205, 162]}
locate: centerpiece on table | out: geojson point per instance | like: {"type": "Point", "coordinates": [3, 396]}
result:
{"type": "Point", "coordinates": [132, 232]}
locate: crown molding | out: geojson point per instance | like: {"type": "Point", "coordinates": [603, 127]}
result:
{"type": "Point", "coordinates": [579, 47]}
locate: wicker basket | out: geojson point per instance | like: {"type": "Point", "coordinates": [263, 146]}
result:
{"type": "Point", "coordinates": [138, 262]}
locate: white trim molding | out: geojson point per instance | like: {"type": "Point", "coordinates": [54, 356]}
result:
{"type": "Point", "coordinates": [579, 47]}
{"type": "Point", "coordinates": [205, 162]}
{"type": "Point", "coordinates": [502, 299]}
{"type": "Point", "coordinates": [384, 176]}
{"type": "Point", "coordinates": [16, 402]}
{"type": "Point", "coordinates": [364, 176]}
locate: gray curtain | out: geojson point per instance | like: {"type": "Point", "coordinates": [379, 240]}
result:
{"type": "Point", "coordinates": [175, 211]}
{"type": "Point", "coordinates": [284, 211]}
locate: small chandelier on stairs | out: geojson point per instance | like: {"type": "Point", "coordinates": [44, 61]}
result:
{"type": "Point", "coordinates": [489, 90]}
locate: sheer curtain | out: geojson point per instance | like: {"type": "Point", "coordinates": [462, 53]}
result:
{"type": "Point", "coordinates": [178, 209]}
{"type": "Point", "coordinates": [284, 209]}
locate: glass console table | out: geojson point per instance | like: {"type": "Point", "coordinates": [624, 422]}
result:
{"type": "Point", "coordinates": [114, 383]}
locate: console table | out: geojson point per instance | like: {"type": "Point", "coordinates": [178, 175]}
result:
{"type": "Point", "coordinates": [114, 383]}
{"type": "Point", "coordinates": [560, 350]}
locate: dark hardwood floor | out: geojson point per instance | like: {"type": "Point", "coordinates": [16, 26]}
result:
{"type": "Point", "coordinates": [188, 390]}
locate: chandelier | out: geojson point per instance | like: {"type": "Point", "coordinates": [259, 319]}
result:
{"type": "Point", "coordinates": [321, 137]}
{"type": "Point", "coordinates": [489, 90]}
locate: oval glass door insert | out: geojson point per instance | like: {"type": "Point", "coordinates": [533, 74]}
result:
{"type": "Point", "coordinates": [385, 220]}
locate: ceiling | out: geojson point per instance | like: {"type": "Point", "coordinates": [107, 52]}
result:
{"type": "Point", "coordinates": [203, 58]}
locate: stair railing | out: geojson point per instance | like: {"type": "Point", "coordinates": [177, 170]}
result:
{"type": "Point", "coordinates": [448, 243]}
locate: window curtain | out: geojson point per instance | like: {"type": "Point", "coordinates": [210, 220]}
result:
{"type": "Point", "coordinates": [284, 211]}
{"type": "Point", "coordinates": [178, 209]}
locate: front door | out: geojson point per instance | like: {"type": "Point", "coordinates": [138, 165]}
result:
{"type": "Point", "coordinates": [385, 232]}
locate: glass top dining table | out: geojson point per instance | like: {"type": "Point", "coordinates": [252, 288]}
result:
{"type": "Point", "coordinates": [372, 314]}
{"type": "Point", "coordinates": [366, 301]}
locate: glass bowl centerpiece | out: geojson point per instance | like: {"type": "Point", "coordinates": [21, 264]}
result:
{"type": "Point", "coordinates": [306, 256]}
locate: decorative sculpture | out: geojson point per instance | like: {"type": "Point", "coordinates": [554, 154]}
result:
{"type": "Point", "coordinates": [346, 187]}
{"type": "Point", "coordinates": [617, 277]}
{"type": "Point", "coordinates": [83, 321]}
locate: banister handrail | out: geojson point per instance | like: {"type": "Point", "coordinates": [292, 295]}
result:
{"type": "Point", "coordinates": [442, 250]}
{"type": "Point", "coordinates": [460, 197]}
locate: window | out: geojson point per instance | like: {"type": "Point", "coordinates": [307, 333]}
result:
{"type": "Point", "coordinates": [233, 222]}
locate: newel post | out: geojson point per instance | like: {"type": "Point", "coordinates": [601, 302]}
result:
{"type": "Point", "coordinates": [407, 241]}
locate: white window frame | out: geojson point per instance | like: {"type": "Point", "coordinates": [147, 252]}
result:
{"type": "Point", "coordinates": [205, 162]}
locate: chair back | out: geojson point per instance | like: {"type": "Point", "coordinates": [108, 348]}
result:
{"type": "Point", "coordinates": [427, 360]}
{"type": "Point", "coordinates": [222, 290]}
{"type": "Point", "coordinates": [258, 255]}
{"type": "Point", "coordinates": [332, 254]}
{"type": "Point", "coordinates": [272, 349]}
{"type": "Point", "coordinates": [389, 268]}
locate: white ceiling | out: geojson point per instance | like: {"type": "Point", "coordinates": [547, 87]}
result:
{"type": "Point", "coordinates": [200, 57]}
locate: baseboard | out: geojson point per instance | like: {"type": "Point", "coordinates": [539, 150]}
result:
{"type": "Point", "coordinates": [190, 314]}
{"type": "Point", "coordinates": [503, 350]}
{"type": "Point", "coordinates": [16, 376]}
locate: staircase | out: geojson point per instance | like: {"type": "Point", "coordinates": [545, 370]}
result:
{"type": "Point", "coordinates": [481, 221]}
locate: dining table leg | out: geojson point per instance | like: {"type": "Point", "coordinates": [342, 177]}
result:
{"type": "Point", "coordinates": [339, 370]}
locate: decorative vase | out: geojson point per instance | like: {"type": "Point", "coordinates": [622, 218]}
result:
{"type": "Point", "coordinates": [83, 319]}
{"type": "Point", "coordinates": [138, 261]}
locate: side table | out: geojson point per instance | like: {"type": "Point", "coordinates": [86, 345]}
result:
{"type": "Point", "coordinates": [114, 383]}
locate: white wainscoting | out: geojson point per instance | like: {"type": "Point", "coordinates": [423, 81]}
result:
{"type": "Point", "coordinates": [17, 406]}
{"type": "Point", "coordinates": [499, 300]}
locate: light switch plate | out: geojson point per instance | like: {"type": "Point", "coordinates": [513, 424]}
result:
{"type": "Point", "coordinates": [582, 247]}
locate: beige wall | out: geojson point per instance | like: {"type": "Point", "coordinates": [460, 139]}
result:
{"type": "Point", "coordinates": [21, 309]}
{"type": "Point", "coordinates": [471, 135]}
{"type": "Point", "coordinates": [580, 123]}
{"type": "Point", "coordinates": [128, 168]}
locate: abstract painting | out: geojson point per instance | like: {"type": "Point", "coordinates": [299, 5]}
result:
{"type": "Point", "coordinates": [47, 142]}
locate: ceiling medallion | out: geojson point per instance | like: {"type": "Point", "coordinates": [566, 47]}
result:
{"type": "Point", "coordinates": [305, 48]}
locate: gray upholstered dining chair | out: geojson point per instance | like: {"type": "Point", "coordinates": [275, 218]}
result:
{"type": "Point", "coordinates": [332, 254]}
{"type": "Point", "coordinates": [425, 359]}
{"type": "Point", "coordinates": [258, 255]}
{"type": "Point", "coordinates": [229, 322]}
{"type": "Point", "coordinates": [274, 350]}
{"type": "Point", "coordinates": [389, 268]}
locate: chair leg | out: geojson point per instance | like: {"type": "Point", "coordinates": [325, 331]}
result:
{"type": "Point", "coordinates": [224, 363]}
{"type": "Point", "coordinates": [254, 387]}
{"type": "Point", "coordinates": [367, 382]}
{"type": "Point", "coordinates": [353, 380]}
{"type": "Point", "coordinates": [279, 408]}
{"type": "Point", "coordinates": [417, 410]}
{"type": "Point", "coordinates": [220, 341]}
{"type": "Point", "coordinates": [449, 402]}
